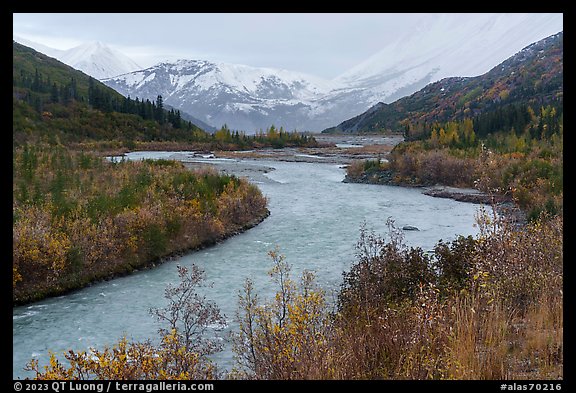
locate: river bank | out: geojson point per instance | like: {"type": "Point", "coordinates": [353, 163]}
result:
{"type": "Point", "coordinates": [345, 149]}
{"type": "Point", "coordinates": [77, 234]}
{"type": "Point", "coordinates": [315, 221]}
{"type": "Point", "coordinates": [503, 204]}
{"type": "Point", "coordinates": [149, 264]}
{"type": "Point", "coordinates": [334, 149]}
{"type": "Point", "coordinates": [341, 150]}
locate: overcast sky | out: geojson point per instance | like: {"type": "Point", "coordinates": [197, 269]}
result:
{"type": "Point", "coordinates": [319, 44]}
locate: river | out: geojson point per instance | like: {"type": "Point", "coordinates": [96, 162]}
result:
{"type": "Point", "coordinates": [315, 221]}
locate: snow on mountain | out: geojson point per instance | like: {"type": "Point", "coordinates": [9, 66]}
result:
{"type": "Point", "coordinates": [93, 58]}
{"type": "Point", "coordinates": [52, 52]}
{"type": "Point", "coordinates": [98, 60]}
{"type": "Point", "coordinates": [260, 82]}
{"type": "Point", "coordinates": [243, 97]}
{"type": "Point", "coordinates": [251, 98]}
{"type": "Point", "coordinates": [448, 45]}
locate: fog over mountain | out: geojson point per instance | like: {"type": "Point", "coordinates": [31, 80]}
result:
{"type": "Point", "coordinates": [252, 98]}
{"type": "Point", "coordinates": [93, 58]}
{"type": "Point", "coordinates": [532, 76]}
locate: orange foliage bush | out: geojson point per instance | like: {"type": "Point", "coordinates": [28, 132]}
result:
{"type": "Point", "coordinates": [78, 218]}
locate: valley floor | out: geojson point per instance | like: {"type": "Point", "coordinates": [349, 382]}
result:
{"type": "Point", "coordinates": [335, 149]}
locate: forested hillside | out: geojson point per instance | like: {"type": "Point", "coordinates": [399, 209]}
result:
{"type": "Point", "coordinates": [54, 102]}
{"type": "Point", "coordinates": [77, 217]}
{"type": "Point", "coordinates": [531, 78]}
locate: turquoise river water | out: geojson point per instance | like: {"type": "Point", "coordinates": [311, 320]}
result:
{"type": "Point", "coordinates": [315, 221]}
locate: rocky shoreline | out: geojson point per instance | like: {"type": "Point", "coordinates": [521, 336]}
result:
{"type": "Point", "coordinates": [464, 195]}
{"type": "Point", "coordinates": [503, 204]}
{"type": "Point", "coordinates": [470, 195]}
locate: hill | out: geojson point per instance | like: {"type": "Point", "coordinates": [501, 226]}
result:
{"type": "Point", "coordinates": [252, 98]}
{"type": "Point", "coordinates": [93, 58]}
{"type": "Point", "coordinates": [54, 102]}
{"type": "Point", "coordinates": [533, 76]}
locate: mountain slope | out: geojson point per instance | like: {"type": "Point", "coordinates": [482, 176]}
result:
{"type": "Point", "coordinates": [192, 119]}
{"type": "Point", "coordinates": [53, 101]}
{"type": "Point", "coordinates": [98, 60]}
{"type": "Point", "coordinates": [450, 45]}
{"type": "Point", "coordinates": [250, 98]}
{"type": "Point", "coordinates": [48, 51]}
{"type": "Point", "coordinates": [93, 58]}
{"type": "Point", "coordinates": [533, 75]}
{"type": "Point", "coordinates": [246, 98]}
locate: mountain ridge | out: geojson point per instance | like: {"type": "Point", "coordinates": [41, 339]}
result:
{"type": "Point", "coordinates": [55, 102]}
{"type": "Point", "coordinates": [253, 98]}
{"type": "Point", "coordinates": [93, 58]}
{"type": "Point", "coordinates": [449, 45]}
{"type": "Point", "coordinates": [219, 91]}
{"type": "Point", "coordinates": [533, 74]}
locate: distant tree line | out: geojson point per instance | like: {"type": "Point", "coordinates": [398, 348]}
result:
{"type": "Point", "coordinates": [518, 119]}
{"type": "Point", "coordinates": [54, 98]}
{"type": "Point", "coordinates": [274, 137]}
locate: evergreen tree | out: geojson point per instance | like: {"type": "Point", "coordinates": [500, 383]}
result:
{"type": "Point", "coordinates": [37, 81]}
{"type": "Point", "coordinates": [159, 115]}
{"type": "Point", "coordinates": [54, 93]}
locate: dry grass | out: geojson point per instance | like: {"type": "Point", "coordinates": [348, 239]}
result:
{"type": "Point", "coordinates": [501, 326]}
{"type": "Point", "coordinates": [374, 150]}
{"type": "Point", "coordinates": [477, 347]}
{"type": "Point", "coordinates": [538, 341]}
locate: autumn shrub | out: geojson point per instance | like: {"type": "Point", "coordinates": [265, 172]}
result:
{"type": "Point", "coordinates": [454, 263]}
{"type": "Point", "coordinates": [286, 337]}
{"type": "Point", "coordinates": [79, 218]}
{"type": "Point", "coordinates": [40, 248]}
{"type": "Point", "coordinates": [529, 173]}
{"type": "Point", "coordinates": [355, 169]}
{"type": "Point", "coordinates": [359, 168]}
{"type": "Point", "coordinates": [521, 263]}
{"type": "Point", "coordinates": [443, 167]}
{"type": "Point", "coordinates": [181, 354]}
{"type": "Point", "coordinates": [490, 309]}
{"type": "Point", "coordinates": [386, 271]}
{"type": "Point", "coordinates": [375, 164]}
{"type": "Point", "coordinates": [188, 315]}
{"type": "Point", "coordinates": [392, 320]}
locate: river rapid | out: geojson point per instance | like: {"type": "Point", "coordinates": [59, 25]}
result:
{"type": "Point", "coordinates": [315, 221]}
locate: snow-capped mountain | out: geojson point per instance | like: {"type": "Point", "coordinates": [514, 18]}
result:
{"type": "Point", "coordinates": [445, 46]}
{"type": "Point", "coordinates": [510, 83]}
{"type": "Point", "coordinates": [249, 98]}
{"type": "Point", "coordinates": [243, 97]}
{"type": "Point", "coordinates": [98, 60]}
{"type": "Point", "coordinates": [93, 58]}
{"type": "Point", "coordinates": [52, 52]}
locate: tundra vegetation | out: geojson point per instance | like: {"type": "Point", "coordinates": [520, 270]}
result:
{"type": "Point", "coordinates": [488, 307]}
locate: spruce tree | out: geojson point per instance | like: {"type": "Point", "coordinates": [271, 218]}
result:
{"type": "Point", "coordinates": [159, 115]}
